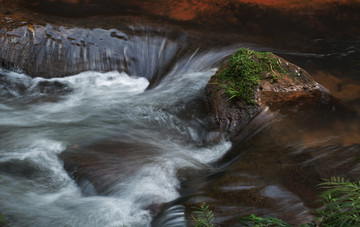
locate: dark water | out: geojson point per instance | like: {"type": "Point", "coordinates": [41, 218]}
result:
{"type": "Point", "coordinates": [131, 145]}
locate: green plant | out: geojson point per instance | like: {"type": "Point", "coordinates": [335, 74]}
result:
{"type": "Point", "coordinates": [203, 216]}
{"type": "Point", "coordinates": [253, 220]}
{"type": "Point", "coordinates": [2, 220]}
{"type": "Point", "coordinates": [246, 68]}
{"type": "Point", "coordinates": [341, 208]}
{"type": "Point", "coordinates": [256, 221]}
{"type": "Point", "coordinates": [341, 203]}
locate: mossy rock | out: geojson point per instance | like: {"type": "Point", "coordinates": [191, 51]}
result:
{"type": "Point", "coordinates": [246, 70]}
{"type": "Point", "coordinates": [251, 82]}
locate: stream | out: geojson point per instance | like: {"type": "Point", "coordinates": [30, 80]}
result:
{"type": "Point", "coordinates": [132, 147]}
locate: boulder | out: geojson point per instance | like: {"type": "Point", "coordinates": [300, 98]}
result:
{"type": "Point", "coordinates": [57, 51]}
{"type": "Point", "coordinates": [253, 82]}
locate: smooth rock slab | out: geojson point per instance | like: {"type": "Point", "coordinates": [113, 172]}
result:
{"type": "Point", "coordinates": [49, 51]}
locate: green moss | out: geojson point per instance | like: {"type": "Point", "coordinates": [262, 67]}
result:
{"type": "Point", "coordinates": [246, 69]}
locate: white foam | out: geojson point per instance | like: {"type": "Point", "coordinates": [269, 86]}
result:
{"type": "Point", "coordinates": [213, 153]}
{"type": "Point", "coordinates": [15, 75]}
{"type": "Point", "coordinates": [35, 148]}
{"type": "Point", "coordinates": [42, 153]}
{"type": "Point", "coordinates": [93, 92]}
{"type": "Point", "coordinates": [112, 104]}
{"type": "Point", "coordinates": [68, 207]}
{"type": "Point", "coordinates": [155, 183]}
{"type": "Point", "coordinates": [91, 81]}
{"type": "Point", "coordinates": [181, 86]}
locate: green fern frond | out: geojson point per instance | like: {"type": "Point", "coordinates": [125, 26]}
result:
{"type": "Point", "coordinates": [203, 216]}
{"type": "Point", "coordinates": [253, 220]}
{"type": "Point", "coordinates": [341, 202]}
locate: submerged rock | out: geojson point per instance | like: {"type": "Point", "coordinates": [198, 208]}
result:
{"type": "Point", "coordinates": [11, 87]}
{"type": "Point", "coordinates": [19, 85]}
{"type": "Point", "coordinates": [51, 88]}
{"type": "Point", "coordinates": [252, 82]}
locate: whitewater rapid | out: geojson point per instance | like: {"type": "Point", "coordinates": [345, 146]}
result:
{"type": "Point", "coordinates": [38, 125]}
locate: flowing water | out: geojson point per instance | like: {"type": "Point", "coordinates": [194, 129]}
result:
{"type": "Point", "coordinates": [152, 134]}
{"type": "Point", "coordinates": [108, 149]}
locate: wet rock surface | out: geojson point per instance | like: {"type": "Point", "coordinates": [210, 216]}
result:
{"type": "Point", "coordinates": [228, 20]}
{"type": "Point", "coordinates": [58, 51]}
{"type": "Point", "coordinates": [237, 21]}
{"type": "Point", "coordinates": [242, 14]}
